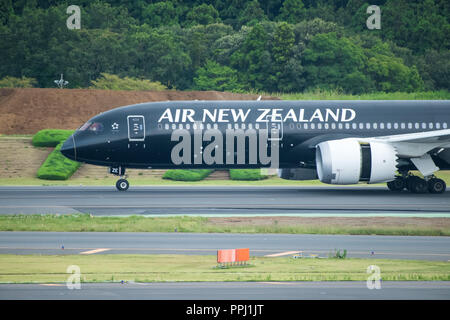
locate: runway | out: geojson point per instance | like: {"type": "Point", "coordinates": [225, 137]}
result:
{"type": "Point", "coordinates": [376, 247]}
{"type": "Point", "coordinates": [259, 291]}
{"type": "Point", "coordinates": [231, 200]}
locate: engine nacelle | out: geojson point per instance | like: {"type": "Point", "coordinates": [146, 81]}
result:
{"type": "Point", "coordinates": [349, 161]}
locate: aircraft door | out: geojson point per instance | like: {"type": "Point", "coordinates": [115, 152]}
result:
{"type": "Point", "coordinates": [136, 132]}
{"type": "Point", "coordinates": [275, 128]}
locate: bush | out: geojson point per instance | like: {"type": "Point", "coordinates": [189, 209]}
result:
{"type": "Point", "coordinates": [12, 82]}
{"type": "Point", "coordinates": [57, 166]}
{"type": "Point", "coordinates": [246, 174]}
{"type": "Point", "coordinates": [113, 82]}
{"type": "Point", "coordinates": [50, 137]}
{"type": "Point", "coordinates": [187, 175]}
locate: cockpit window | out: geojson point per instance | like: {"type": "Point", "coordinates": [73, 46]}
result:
{"type": "Point", "coordinates": [92, 126]}
{"type": "Point", "coordinates": [85, 126]}
{"type": "Point", "coordinates": [96, 126]}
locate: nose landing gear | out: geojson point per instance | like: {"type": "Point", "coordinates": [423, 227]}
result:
{"type": "Point", "coordinates": [416, 184]}
{"type": "Point", "coordinates": [122, 184]}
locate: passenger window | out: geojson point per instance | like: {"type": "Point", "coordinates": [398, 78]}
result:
{"type": "Point", "coordinates": [409, 125]}
{"type": "Point", "coordinates": [354, 126]}
{"type": "Point", "coordinates": [444, 125]}
{"type": "Point", "coordinates": [361, 126]}
{"type": "Point", "coordinates": [313, 126]}
{"type": "Point", "coordinates": [416, 125]}
{"type": "Point", "coordinates": [305, 126]}
{"type": "Point", "coordinates": [388, 125]}
{"type": "Point", "coordinates": [319, 126]}
{"type": "Point", "coordinates": [438, 125]}
{"type": "Point", "coordinates": [367, 125]}
{"type": "Point", "coordinates": [403, 125]}
{"type": "Point", "coordinates": [396, 125]}
{"type": "Point", "coordinates": [382, 125]}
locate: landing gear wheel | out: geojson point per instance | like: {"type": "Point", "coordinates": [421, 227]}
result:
{"type": "Point", "coordinates": [436, 185]}
{"type": "Point", "coordinates": [122, 185]}
{"type": "Point", "coordinates": [396, 185]}
{"type": "Point", "coordinates": [416, 185]}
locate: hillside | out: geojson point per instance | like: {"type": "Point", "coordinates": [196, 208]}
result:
{"type": "Point", "coordinates": [28, 110]}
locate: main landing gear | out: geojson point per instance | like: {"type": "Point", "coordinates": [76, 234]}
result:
{"type": "Point", "coordinates": [416, 184]}
{"type": "Point", "coordinates": [122, 184]}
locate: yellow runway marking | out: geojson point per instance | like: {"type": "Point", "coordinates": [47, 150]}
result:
{"type": "Point", "coordinates": [94, 251]}
{"type": "Point", "coordinates": [282, 254]}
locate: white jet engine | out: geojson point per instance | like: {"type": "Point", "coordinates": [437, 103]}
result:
{"type": "Point", "coordinates": [349, 161]}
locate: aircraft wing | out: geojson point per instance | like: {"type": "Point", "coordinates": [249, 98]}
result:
{"type": "Point", "coordinates": [441, 137]}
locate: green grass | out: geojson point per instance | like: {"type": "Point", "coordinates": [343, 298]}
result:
{"type": "Point", "coordinates": [187, 175]}
{"type": "Point", "coordinates": [337, 95]}
{"type": "Point", "coordinates": [246, 174]}
{"type": "Point", "coordinates": [50, 137]}
{"type": "Point", "coordinates": [57, 166]}
{"type": "Point", "coordinates": [159, 268]}
{"type": "Point", "coordinates": [88, 223]}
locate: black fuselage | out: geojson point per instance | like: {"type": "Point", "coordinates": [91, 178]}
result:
{"type": "Point", "coordinates": [145, 135]}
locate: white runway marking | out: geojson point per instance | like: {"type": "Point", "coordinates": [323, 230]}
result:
{"type": "Point", "coordinates": [94, 251]}
{"type": "Point", "coordinates": [282, 254]}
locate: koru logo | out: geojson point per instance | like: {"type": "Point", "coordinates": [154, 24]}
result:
{"type": "Point", "coordinates": [115, 126]}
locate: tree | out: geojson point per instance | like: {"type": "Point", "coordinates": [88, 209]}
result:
{"type": "Point", "coordinates": [213, 76]}
{"type": "Point", "coordinates": [331, 62]}
{"type": "Point", "coordinates": [292, 11]}
{"type": "Point", "coordinates": [160, 14]}
{"type": "Point", "coordinates": [202, 14]}
{"type": "Point", "coordinates": [252, 14]}
{"type": "Point", "coordinates": [253, 60]}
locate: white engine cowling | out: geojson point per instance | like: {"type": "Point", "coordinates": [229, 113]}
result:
{"type": "Point", "coordinates": [348, 161]}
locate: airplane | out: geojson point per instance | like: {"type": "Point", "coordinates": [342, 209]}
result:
{"type": "Point", "coordinates": [338, 142]}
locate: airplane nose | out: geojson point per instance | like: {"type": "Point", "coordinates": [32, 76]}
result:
{"type": "Point", "coordinates": [68, 148]}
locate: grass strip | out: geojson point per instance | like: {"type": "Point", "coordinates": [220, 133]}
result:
{"type": "Point", "coordinates": [57, 166]}
{"type": "Point", "coordinates": [319, 94]}
{"type": "Point", "coordinates": [157, 268]}
{"type": "Point", "coordinates": [285, 225]}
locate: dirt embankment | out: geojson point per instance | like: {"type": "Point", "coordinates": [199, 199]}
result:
{"type": "Point", "coordinates": [26, 111]}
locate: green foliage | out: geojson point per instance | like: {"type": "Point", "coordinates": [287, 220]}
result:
{"type": "Point", "coordinates": [187, 175]}
{"type": "Point", "coordinates": [202, 14]}
{"type": "Point", "coordinates": [12, 82]}
{"type": "Point", "coordinates": [274, 46]}
{"type": "Point", "coordinates": [57, 166]}
{"type": "Point", "coordinates": [50, 137]}
{"type": "Point", "coordinates": [246, 174]}
{"type": "Point", "coordinates": [160, 14]}
{"type": "Point", "coordinates": [113, 82]}
{"type": "Point", "coordinates": [338, 254]}
{"type": "Point", "coordinates": [292, 11]}
{"type": "Point", "coordinates": [213, 76]}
